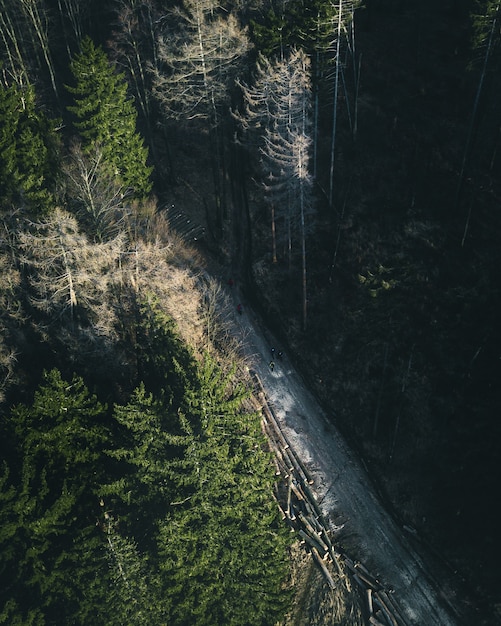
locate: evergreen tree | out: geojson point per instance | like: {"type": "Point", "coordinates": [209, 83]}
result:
{"type": "Point", "coordinates": [106, 118]}
{"type": "Point", "coordinates": [59, 440]}
{"type": "Point", "coordinates": [222, 546]}
{"type": "Point", "coordinates": [134, 596]}
{"type": "Point", "coordinates": [28, 152]}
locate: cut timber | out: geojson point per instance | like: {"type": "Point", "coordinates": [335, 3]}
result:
{"type": "Point", "coordinates": [385, 610]}
{"type": "Point", "coordinates": [369, 580]}
{"type": "Point", "coordinates": [323, 567]}
{"type": "Point", "coordinates": [369, 601]}
{"type": "Point", "coordinates": [312, 542]}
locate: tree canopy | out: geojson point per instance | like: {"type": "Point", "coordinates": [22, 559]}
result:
{"type": "Point", "coordinates": [105, 117]}
{"type": "Point", "coordinates": [158, 511]}
{"type": "Point", "coordinates": [28, 152]}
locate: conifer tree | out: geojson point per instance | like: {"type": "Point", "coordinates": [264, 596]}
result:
{"type": "Point", "coordinates": [59, 442]}
{"type": "Point", "coordinates": [222, 546]}
{"type": "Point", "coordinates": [134, 594]}
{"type": "Point", "coordinates": [28, 152]}
{"type": "Point", "coordinates": [105, 118]}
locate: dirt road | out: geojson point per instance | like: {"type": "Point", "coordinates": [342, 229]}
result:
{"type": "Point", "coordinates": [345, 493]}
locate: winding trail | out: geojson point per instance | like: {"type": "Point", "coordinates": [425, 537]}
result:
{"type": "Point", "coordinates": [344, 491]}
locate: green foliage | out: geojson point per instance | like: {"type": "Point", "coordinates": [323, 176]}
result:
{"type": "Point", "coordinates": [165, 364]}
{"type": "Point", "coordinates": [298, 24]}
{"type": "Point", "coordinates": [222, 547]}
{"type": "Point", "coordinates": [106, 118]}
{"type": "Point", "coordinates": [28, 152]}
{"type": "Point", "coordinates": [484, 15]}
{"type": "Point", "coordinates": [134, 596]}
{"type": "Point", "coordinates": [51, 523]}
{"type": "Point", "coordinates": [279, 29]}
{"type": "Point", "coordinates": [169, 521]}
{"type": "Point", "coordinates": [150, 454]}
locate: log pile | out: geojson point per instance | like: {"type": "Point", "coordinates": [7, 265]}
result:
{"type": "Point", "coordinates": [300, 510]}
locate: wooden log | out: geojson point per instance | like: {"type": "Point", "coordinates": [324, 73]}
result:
{"type": "Point", "coordinates": [385, 610]}
{"type": "Point", "coordinates": [297, 491]}
{"type": "Point", "coordinates": [309, 527]}
{"type": "Point", "coordinates": [311, 541]}
{"type": "Point", "coordinates": [369, 601]}
{"type": "Point", "coordinates": [368, 578]}
{"type": "Point", "coordinates": [289, 488]}
{"type": "Point", "coordinates": [375, 622]}
{"type": "Point", "coordinates": [282, 512]}
{"type": "Point", "coordinates": [349, 564]}
{"type": "Point", "coordinates": [359, 581]}
{"type": "Point", "coordinates": [392, 607]}
{"type": "Point", "coordinates": [323, 567]}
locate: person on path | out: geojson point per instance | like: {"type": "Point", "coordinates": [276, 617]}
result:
{"type": "Point", "coordinates": [272, 365]}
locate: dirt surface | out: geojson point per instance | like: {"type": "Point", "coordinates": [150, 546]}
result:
{"type": "Point", "coordinates": [424, 594]}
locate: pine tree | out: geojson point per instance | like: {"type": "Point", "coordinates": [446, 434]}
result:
{"type": "Point", "coordinates": [59, 441]}
{"type": "Point", "coordinates": [134, 594]}
{"type": "Point", "coordinates": [29, 149]}
{"type": "Point", "coordinates": [106, 118]}
{"type": "Point", "coordinates": [223, 549]}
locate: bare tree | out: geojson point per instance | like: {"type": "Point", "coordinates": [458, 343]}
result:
{"type": "Point", "coordinates": [133, 45]}
{"type": "Point", "coordinates": [278, 104]}
{"type": "Point", "coordinates": [72, 15]}
{"type": "Point", "coordinates": [67, 273]}
{"type": "Point", "coordinates": [10, 313]}
{"type": "Point", "coordinates": [98, 197]}
{"type": "Point", "coordinates": [201, 50]}
{"type": "Point", "coordinates": [37, 19]}
{"type": "Point", "coordinates": [13, 43]}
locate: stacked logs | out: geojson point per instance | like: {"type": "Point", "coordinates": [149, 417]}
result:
{"type": "Point", "coordinates": [300, 510]}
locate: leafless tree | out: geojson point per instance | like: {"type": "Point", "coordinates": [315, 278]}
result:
{"type": "Point", "coordinates": [67, 273]}
{"type": "Point", "coordinates": [201, 49]}
{"type": "Point", "coordinates": [96, 193]}
{"type": "Point", "coordinates": [37, 19]}
{"type": "Point", "coordinates": [278, 104]}
{"type": "Point", "coordinates": [10, 313]}
{"type": "Point", "coordinates": [133, 45]}
{"type": "Point", "coordinates": [13, 43]}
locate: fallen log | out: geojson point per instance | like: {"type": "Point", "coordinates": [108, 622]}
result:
{"type": "Point", "coordinates": [313, 543]}
{"type": "Point", "coordinates": [368, 578]}
{"type": "Point", "coordinates": [370, 606]}
{"type": "Point", "coordinates": [309, 527]}
{"type": "Point", "coordinates": [385, 610]}
{"type": "Point", "coordinates": [323, 567]}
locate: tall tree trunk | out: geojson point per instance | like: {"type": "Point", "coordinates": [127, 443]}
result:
{"type": "Point", "coordinates": [474, 112]}
{"type": "Point", "coordinates": [334, 110]}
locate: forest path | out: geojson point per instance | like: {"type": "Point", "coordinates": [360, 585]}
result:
{"type": "Point", "coordinates": [343, 489]}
